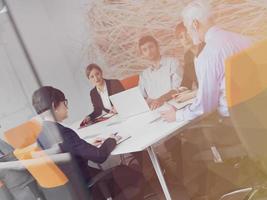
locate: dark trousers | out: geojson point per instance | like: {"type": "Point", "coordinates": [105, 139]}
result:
{"type": "Point", "coordinates": [123, 183]}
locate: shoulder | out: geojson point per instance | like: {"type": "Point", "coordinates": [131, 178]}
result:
{"type": "Point", "coordinates": [145, 72]}
{"type": "Point", "coordinates": [93, 91]}
{"type": "Point", "coordinates": [112, 81]}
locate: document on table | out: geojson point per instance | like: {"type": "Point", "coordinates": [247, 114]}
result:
{"type": "Point", "coordinates": [106, 136]}
{"type": "Point", "coordinates": [181, 105]}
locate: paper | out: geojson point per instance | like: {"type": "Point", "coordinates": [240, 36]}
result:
{"type": "Point", "coordinates": [181, 105]}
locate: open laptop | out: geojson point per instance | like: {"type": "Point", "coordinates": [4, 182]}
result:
{"type": "Point", "coordinates": [130, 103]}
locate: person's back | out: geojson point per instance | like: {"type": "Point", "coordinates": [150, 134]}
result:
{"type": "Point", "coordinates": [220, 45]}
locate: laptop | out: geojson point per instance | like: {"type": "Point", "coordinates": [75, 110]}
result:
{"type": "Point", "coordinates": [129, 103]}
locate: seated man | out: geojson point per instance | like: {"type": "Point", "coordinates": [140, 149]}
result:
{"type": "Point", "coordinates": [160, 80]}
{"type": "Point", "coordinates": [158, 83]}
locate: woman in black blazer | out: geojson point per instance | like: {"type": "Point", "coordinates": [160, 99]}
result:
{"type": "Point", "coordinates": [101, 92]}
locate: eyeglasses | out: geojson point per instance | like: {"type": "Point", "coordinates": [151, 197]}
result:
{"type": "Point", "coordinates": [66, 102]}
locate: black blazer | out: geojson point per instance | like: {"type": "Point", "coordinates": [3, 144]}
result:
{"type": "Point", "coordinates": [80, 150]}
{"type": "Point", "coordinates": [189, 71]}
{"type": "Point", "coordinates": [113, 87]}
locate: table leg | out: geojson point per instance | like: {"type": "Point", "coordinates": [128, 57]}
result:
{"type": "Point", "coordinates": [159, 173]}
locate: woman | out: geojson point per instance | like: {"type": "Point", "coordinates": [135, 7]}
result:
{"type": "Point", "coordinates": [101, 92]}
{"type": "Point", "coordinates": [189, 84]}
{"type": "Point", "coordinates": [51, 104]}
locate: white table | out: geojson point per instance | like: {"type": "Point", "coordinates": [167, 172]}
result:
{"type": "Point", "coordinates": [143, 135]}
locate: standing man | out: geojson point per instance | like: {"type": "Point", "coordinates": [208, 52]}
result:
{"type": "Point", "coordinates": [210, 71]}
{"type": "Point", "coordinates": [210, 64]}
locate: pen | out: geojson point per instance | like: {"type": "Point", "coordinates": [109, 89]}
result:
{"type": "Point", "coordinates": [115, 133]}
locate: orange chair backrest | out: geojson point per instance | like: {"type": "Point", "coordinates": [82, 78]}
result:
{"type": "Point", "coordinates": [130, 82]}
{"type": "Point", "coordinates": [246, 74]}
{"type": "Point", "coordinates": [24, 134]}
{"type": "Point", "coordinates": [46, 172]}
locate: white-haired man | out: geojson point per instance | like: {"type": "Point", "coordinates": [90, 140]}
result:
{"type": "Point", "coordinates": [220, 44]}
{"type": "Point", "coordinates": [210, 71]}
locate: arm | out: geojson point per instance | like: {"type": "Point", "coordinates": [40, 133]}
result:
{"type": "Point", "coordinates": [141, 85]}
{"type": "Point", "coordinates": [79, 147]}
{"type": "Point", "coordinates": [208, 93]}
{"type": "Point", "coordinates": [175, 78]}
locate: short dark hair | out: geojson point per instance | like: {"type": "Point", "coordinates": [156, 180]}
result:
{"type": "Point", "coordinates": [45, 97]}
{"type": "Point", "coordinates": [90, 67]}
{"type": "Point", "coordinates": [180, 28]}
{"type": "Point", "coordinates": [147, 38]}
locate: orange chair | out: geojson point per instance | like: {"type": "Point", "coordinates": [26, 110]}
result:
{"type": "Point", "coordinates": [53, 182]}
{"type": "Point", "coordinates": [246, 92]}
{"type": "Point", "coordinates": [24, 134]}
{"type": "Point", "coordinates": [130, 82]}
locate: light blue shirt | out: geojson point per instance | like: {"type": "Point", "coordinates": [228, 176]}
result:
{"type": "Point", "coordinates": [210, 71]}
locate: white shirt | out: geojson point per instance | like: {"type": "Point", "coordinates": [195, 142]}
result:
{"type": "Point", "coordinates": [154, 83]}
{"type": "Point", "coordinates": [105, 97]}
{"type": "Point", "coordinates": [210, 71]}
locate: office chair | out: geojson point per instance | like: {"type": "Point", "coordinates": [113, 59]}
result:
{"type": "Point", "coordinates": [130, 82]}
{"type": "Point", "coordinates": [246, 93]}
{"type": "Point", "coordinates": [4, 192]}
{"type": "Point", "coordinates": [246, 90]}
{"type": "Point", "coordinates": [48, 175]}
{"type": "Point", "coordinates": [24, 134]}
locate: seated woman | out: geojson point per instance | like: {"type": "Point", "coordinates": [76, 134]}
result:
{"type": "Point", "coordinates": [189, 84]}
{"type": "Point", "coordinates": [101, 92]}
{"type": "Point", "coordinates": [51, 104]}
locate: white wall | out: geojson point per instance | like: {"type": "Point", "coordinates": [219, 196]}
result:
{"type": "Point", "coordinates": [56, 36]}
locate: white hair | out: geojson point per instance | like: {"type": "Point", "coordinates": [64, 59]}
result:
{"type": "Point", "coordinates": [197, 10]}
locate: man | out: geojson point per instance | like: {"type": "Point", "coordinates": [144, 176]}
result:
{"type": "Point", "coordinates": [160, 80]}
{"type": "Point", "coordinates": [210, 67]}
{"type": "Point", "coordinates": [210, 71]}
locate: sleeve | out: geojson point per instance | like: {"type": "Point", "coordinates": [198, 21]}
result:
{"type": "Point", "coordinates": [79, 147]}
{"type": "Point", "coordinates": [141, 85]}
{"type": "Point", "coordinates": [208, 94]}
{"type": "Point", "coordinates": [176, 74]}
{"type": "Point", "coordinates": [97, 109]}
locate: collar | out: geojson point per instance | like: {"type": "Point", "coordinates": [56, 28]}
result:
{"type": "Point", "coordinates": [104, 88]}
{"type": "Point", "coordinates": [211, 32]}
{"type": "Point", "coordinates": [160, 65]}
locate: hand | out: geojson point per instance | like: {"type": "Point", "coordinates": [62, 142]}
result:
{"type": "Point", "coordinates": [182, 89]}
{"type": "Point", "coordinates": [184, 96]}
{"type": "Point", "coordinates": [98, 141]}
{"type": "Point", "coordinates": [113, 110]}
{"type": "Point", "coordinates": [155, 103]}
{"type": "Point", "coordinates": [116, 137]}
{"type": "Point", "coordinates": [169, 115]}
{"type": "Point", "coordinates": [85, 121]}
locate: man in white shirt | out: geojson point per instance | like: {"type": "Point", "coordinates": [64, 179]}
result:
{"type": "Point", "coordinates": [210, 71]}
{"type": "Point", "coordinates": [210, 64]}
{"type": "Point", "coordinates": [163, 76]}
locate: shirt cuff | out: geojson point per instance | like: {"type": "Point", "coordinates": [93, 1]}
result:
{"type": "Point", "coordinates": [179, 115]}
